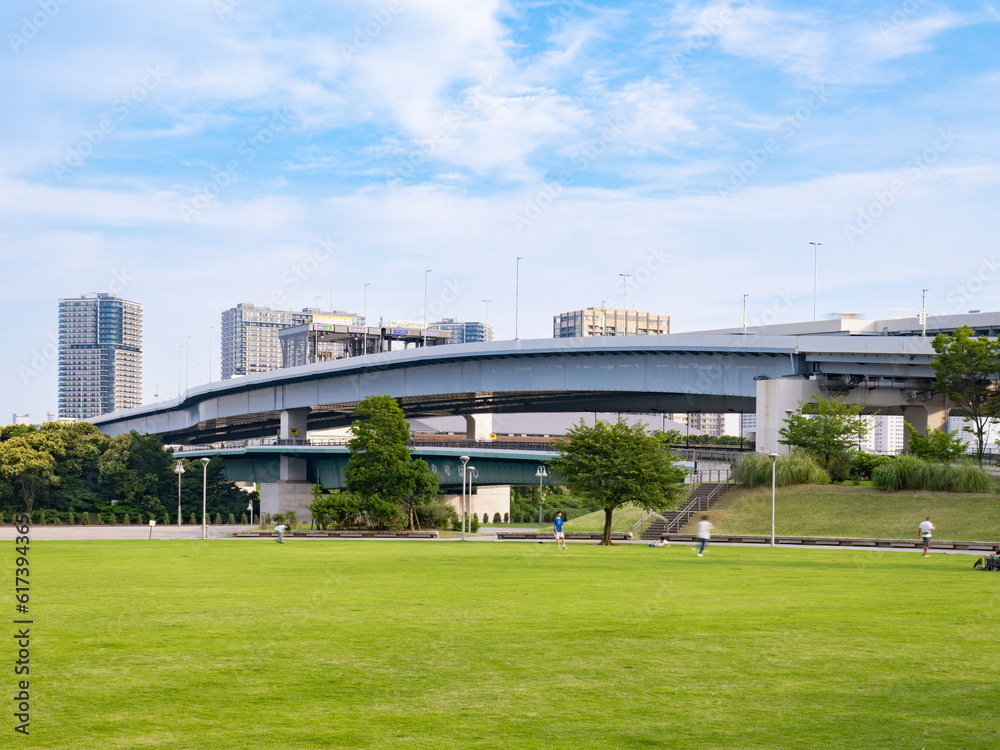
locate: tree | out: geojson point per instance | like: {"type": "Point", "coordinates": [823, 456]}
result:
{"type": "Point", "coordinates": [966, 370]}
{"type": "Point", "coordinates": [939, 446]}
{"type": "Point", "coordinates": [827, 427]}
{"type": "Point", "coordinates": [380, 471]}
{"type": "Point", "coordinates": [618, 464]}
{"type": "Point", "coordinates": [29, 460]}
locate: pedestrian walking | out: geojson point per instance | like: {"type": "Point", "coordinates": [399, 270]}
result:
{"type": "Point", "coordinates": [704, 532]}
{"type": "Point", "coordinates": [926, 527]}
{"type": "Point", "coordinates": [557, 526]}
{"type": "Point", "coordinates": [280, 530]}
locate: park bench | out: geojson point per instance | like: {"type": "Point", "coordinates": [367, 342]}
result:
{"type": "Point", "coordinates": [339, 534]}
{"type": "Point", "coordinates": [579, 535]}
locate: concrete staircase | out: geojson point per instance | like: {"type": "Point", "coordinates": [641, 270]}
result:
{"type": "Point", "coordinates": [702, 497]}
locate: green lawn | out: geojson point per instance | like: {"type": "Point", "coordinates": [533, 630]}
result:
{"type": "Point", "coordinates": [333, 644]}
{"type": "Point", "coordinates": [847, 511]}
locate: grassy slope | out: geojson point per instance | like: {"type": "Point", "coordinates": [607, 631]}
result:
{"type": "Point", "coordinates": [315, 644]}
{"type": "Point", "coordinates": [620, 520]}
{"type": "Point", "coordinates": [856, 512]}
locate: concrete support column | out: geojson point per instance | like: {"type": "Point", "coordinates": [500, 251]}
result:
{"type": "Point", "coordinates": [294, 424]}
{"type": "Point", "coordinates": [478, 426]}
{"type": "Point", "coordinates": [928, 415]}
{"type": "Point", "coordinates": [776, 399]}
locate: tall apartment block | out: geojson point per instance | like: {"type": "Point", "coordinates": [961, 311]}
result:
{"type": "Point", "coordinates": [465, 332]}
{"type": "Point", "coordinates": [608, 321]}
{"type": "Point", "coordinates": [100, 355]}
{"type": "Point", "coordinates": [250, 341]}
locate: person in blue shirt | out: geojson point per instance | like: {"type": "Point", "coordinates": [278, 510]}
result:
{"type": "Point", "coordinates": [557, 526]}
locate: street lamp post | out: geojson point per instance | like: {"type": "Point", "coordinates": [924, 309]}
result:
{"type": "Point", "coordinates": [745, 314]}
{"type": "Point", "coordinates": [774, 460]}
{"type": "Point", "coordinates": [178, 470]}
{"type": "Point", "coordinates": [487, 301]}
{"type": "Point", "coordinates": [187, 362]}
{"type": "Point", "coordinates": [541, 474]}
{"type": "Point", "coordinates": [473, 473]}
{"type": "Point", "coordinates": [464, 460]}
{"type": "Point", "coordinates": [364, 315]}
{"type": "Point", "coordinates": [250, 510]}
{"type": "Point", "coordinates": [425, 305]}
{"type": "Point", "coordinates": [204, 497]}
{"type": "Point", "coordinates": [923, 312]}
{"type": "Point", "coordinates": [517, 290]}
{"type": "Point", "coordinates": [815, 274]}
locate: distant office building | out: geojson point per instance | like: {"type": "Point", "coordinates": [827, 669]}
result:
{"type": "Point", "coordinates": [464, 332]}
{"type": "Point", "coordinates": [100, 355]}
{"type": "Point", "coordinates": [21, 419]}
{"type": "Point", "coordinates": [708, 423]}
{"type": "Point", "coordinates": [250, 341]}
{"type": "Point", "coordinates": [608, 321]}
{"type": "Point", "coordinates": [961, 427]}
{"type": "Point", "coordinates": [885, 434]}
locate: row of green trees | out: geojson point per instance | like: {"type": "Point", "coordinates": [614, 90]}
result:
{"type": "Point", "coordinates": [76, 468]}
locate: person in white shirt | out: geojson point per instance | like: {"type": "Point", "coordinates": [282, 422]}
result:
{"type": "Point", "coordinates": [926, 527]}
{"type": "Point", "coordinates": [704, 532]}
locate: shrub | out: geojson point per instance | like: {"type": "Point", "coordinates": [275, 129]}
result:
{"type": "Point", "coordinates": [98, 520]}
{"type": "Point", "coordinates": [496, 518]}
{"type": "Point", "coordinates": [506, 518]}
{"type": "Point", "coordinates": [474, 524]}
{"type": "Point", "coordinates": [70, 519]}
{"type": "Point", "coordinates": [231, 521]}
{"type": "Point", "coordinates": [85, 519]}
{"type": "Point", "coordinates": [243, 519]}
{"type": "Point", "coordinates": [267, 519]}
{"type": "Point", "coordinates": [218, 519]}
{"type": "Point", "coordinates": [278, 518]}
{"type": "Point", "coordinates": [437, 514]}
{"type": "Point", "coordinates": [192, 520]}
{"type": "Point", "coordinates": [798, 467]}
{"type": "Point", "coordinates": [41, 518]}
{"type": "Point", "coordinates": [166, 519]}
{"type": "Point", "coordinates": [126, 521]}
{"type": "Point", "coordinates": [912, 473]}
{"type": "Point", "coordinates": [865, 463]}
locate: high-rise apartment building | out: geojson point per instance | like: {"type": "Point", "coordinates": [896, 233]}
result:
{"type": "Point", "coordinates": [608, 321]}
{"type": "Point", "coordinates": [100, 355]}
{"type": "Point", "coordinates": [465, 332]}
{"type": "Point", "coordinates": [250, 341]}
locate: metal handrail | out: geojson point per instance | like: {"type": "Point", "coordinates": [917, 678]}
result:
{"type": "Point", "coordinates": [695, 505]}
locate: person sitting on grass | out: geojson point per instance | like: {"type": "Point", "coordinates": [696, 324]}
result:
{"type": "Point", "coordinates": [661, 542]}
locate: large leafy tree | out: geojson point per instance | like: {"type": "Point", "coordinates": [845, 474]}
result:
{"type": "Point", "coordinates": [380, 471]}
{"type": "Point", "coordinates": [618, 464]}
{"type": "Point", "coordinates": [136, 471]}
{"type": "Point", "coordinates": [936, 445]}
{"type": "Point", "coordinates": [826, 427]}
{"type": "Point", "coordinates": [28, 461]}
{"type": "Point", "coordinates": [966, 371]}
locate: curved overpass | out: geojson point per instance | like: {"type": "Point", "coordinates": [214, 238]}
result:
{"type": "Point", "coordinates": [672, 373]}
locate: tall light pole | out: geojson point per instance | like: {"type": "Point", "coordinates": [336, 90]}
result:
{"type": "Point", "coordinates": [487, 301]}
{"type": "Point", "coordinates": [180, 363]}
{"type": "Point", "coordinates": [473, 472]}
{"type": "Point", "coordinates": [774, 459]}
{"type": "Point", "coordinates": [204, 497]}
{"type": "Point", "coordinates": [745, 314]}
{"type": "Point", "coordinates": [923, 312]}
{"type": "Point", "coordinates": [541, 474]}
{"type": "Point", "coordinates": [464, 460]}
{"type": "Point", "coordinates": [250, 509]}
{"type": "Point", "coordinates": [517, 290]}
{"type": "Point", "coordinates": [178, 470]}
{"type": "Point", "coordinates": [187, 362]}
{"type": "Point", "coordinates": [624, 308]}
{"type": "Point", "coordinates": [815, 274]}
{"type": "Point", "coordinates": [364, 315]}
{"type": "Point", "coordinates": [425, 305]}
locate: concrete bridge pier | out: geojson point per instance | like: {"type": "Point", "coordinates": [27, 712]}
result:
{"type": "Point", "coordinates": [478, 426]}
{"type": "Point", "coordinates": [293, 490]}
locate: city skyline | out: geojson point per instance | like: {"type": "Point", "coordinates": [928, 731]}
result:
{"type": "Point", "coordinates": [401, 156]}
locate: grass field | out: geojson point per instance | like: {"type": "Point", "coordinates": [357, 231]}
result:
{"type": "Point", "coordinates": [319, 644]}
{"type": "Point", "coordinates": [857, 512]}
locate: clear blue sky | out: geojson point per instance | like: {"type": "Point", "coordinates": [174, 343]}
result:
{"type": "Point", "coordinates": [195, 154]}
